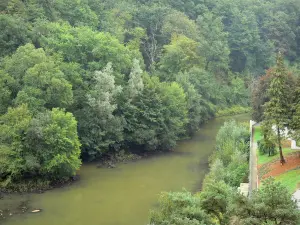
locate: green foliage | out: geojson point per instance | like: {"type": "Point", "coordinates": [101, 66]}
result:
{"type": "Point", "coordinates": [99, 127]}
{"type": "Point", "coordinates": [232, 138]}
{"type": "Point", "coordinates": [178, 23]}
{"type": "Point", "coordinates": [32, 77]}
{"type": "Point", "coordinates": [265, 208]}
{"type": "Point", "coordinates": [204, 52]}
{"type": "Point", "coordinates": [179, 208]}
{"type": "Point", "coordinates": [161, 109]}
{"type": "Point", "coordinates": [180, 55]}
{"type": "Point", "coordinates": [54, 144]}
{"type": "Point", "coordinates": [77, 13]}
{"type": "Point", "coordinates": [234, 110]}
{"type": "Point", "coordinates": [214, 43]}
{"type": "Point", "coordinates": [229, 164]}
{"type": "Point", "coordinates": [91, 49]}
{"type": "Point", "coordinates": [14, 33]}
{"type": "Point", "coordinates": [214, 200]}
{"type": "Point", "coordinates": [295, 123]}
{"type": "Point", "coordinates": [277, 110]}
{"type": "Point", "coordinates": [13, 127]}
{"type": "Point", "coordinates": [45, 147]}
{"type": "Point", "coordinates": [266, 147]}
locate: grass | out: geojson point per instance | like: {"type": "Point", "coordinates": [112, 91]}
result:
{"type": "Point", "coordinates": [257, 133]}
{"type": "Point", "coordinates": [263, 159]}
{"type": "Point", "coordinates": [290, 179]}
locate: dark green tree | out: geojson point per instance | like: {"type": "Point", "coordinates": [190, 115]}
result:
{"type": "Point", "coordinates": [277, 110]}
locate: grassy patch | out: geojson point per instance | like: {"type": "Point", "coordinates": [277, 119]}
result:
{"type": "Point", "coordinates": [290, 179]}
{"type": "Point", "coordinates": [262, 159]}
{"type": "Point", "coordinates": [257, 133]}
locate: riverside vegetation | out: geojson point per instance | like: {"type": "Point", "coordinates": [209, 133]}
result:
{"type": "Point", "coordinates": [84, 79]}
{"type": "Point", "coordinates": [219, 202]}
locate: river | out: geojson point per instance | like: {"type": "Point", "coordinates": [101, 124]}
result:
{"type": "Point", "coordinates": [124, 195]}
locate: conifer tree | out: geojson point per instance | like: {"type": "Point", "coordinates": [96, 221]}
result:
{"type": "Point", "coordinates": [277, 109]}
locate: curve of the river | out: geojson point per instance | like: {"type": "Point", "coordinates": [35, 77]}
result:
{"type": "Point", "coordinates": [124, 195]}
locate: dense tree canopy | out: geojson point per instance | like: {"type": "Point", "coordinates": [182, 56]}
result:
{"type": "Point", "coordinates": [133, 74]}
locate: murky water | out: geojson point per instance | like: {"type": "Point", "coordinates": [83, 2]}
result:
{"type": "Point", "coordinates": [124, 195]}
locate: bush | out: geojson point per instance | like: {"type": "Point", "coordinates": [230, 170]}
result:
{"type": "Point", "coordinates": [234, 110]}
{"type": "Point", "coordinates": [266, 147]}
{"type": "Point", "coordinates": [179, 208]}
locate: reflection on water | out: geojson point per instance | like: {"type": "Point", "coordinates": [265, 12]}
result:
{"type": "Point", "coordinates": [124, 196]}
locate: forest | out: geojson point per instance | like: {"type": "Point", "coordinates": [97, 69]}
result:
{"type": "Point", "coordinates": [83, 79]}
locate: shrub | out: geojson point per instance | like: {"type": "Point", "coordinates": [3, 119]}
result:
{"type": "Point", "coordinates": [266, 147]}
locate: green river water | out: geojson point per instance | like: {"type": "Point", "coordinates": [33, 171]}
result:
{"type": "Point", "coordinates": [124, 195]}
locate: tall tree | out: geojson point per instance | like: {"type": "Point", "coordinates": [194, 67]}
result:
{"type": "Point", "coordinates": [99, 128]}
{"type": "Point", "coordinates": [214, 43]}
{"type": "Point", "coordinates": [278, 108]}
{"type": "Point", "coordinates": [295, 125]}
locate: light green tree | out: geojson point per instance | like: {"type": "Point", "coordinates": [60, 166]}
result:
{"type": "Point", "coordinates": [53, 146]}
{"type": "Point", "coordinates": [180, 55]}
{"type": "Point", "coordinates": [99, 128]}
{"type": "Point", "coordinates": [135, 82]}
{"type": "Point", "coordinates": [13, 129]}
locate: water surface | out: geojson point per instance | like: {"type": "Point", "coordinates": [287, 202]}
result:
{"type": "Point", "coordinates": [124, 195]}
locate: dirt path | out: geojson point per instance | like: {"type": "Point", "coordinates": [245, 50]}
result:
{"type": "Point", "coordinates": [275, 168]}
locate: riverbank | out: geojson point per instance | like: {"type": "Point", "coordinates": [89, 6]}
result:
{"type": "Point", "coordinates": [125, 194]}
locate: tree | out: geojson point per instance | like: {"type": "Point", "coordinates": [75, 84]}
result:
{"type": "Point", "coordinates": [214, 43]}
{"type": "Point", "coordinates": [174, 109]}
{"type": "Point", "coordinates": [31, 76]}
{"type": "Point", "coordinates": [156, 118]}
{"type": "Point", "coordinates": [295, 124]}
{"type": "Point", "coordinates": [259, 96]}
{"type": "Point", "coordinates": [45, 86]}
{"type": "Point", "coordinates": [179, 208]}
{"type": "Point", "coordinates": [99, 128]}
{"type": "Point", "coordinates": [151, 17]}
{"type": "Point", "coordinates": [135, 82]}
{"type": "Point", "coordinates": [180, 55]}
{"type": "Point", "coordinates": [76, 12]}
{"type": "Point", "coordinates": [6, 84]}
{"type": "Point", "coordinates": [45, 147]}
{"type": "Point", "coordinates": [277, 110]}
{"type": "Point", "coordinates": [215, 201]}
{"type": "Point", "coordinates": [270, 204]}
{"type": "Point", "coordinates": [52, 144]}
{"type": "Point", "coordinates": [14, 33]}
{"type": "Point", "coordinates": [195, 106]}
{"type": "Point", "coordinates": [93, 50]}
{"type": "Point", "coordinates": [13, 129]}
{"type": "Point", "coordinates": [178, 23]}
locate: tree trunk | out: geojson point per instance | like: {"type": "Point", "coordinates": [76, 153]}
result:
{"type": "Point", "coordinates": [282, 160]}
